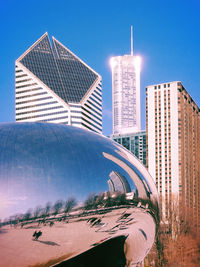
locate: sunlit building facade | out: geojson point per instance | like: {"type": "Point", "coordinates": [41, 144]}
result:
{"type": "Point", "coordinates": [126, 94]}
{"type": "Point", "coordinates": [173, 144]}
{"type": "Point", "coordinates": [53, 85]}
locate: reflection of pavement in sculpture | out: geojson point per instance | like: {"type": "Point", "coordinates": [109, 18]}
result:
{"type": "Point", "coordinates": [80, 234]}
{"type": "Point", "coordinates": [59, 175]}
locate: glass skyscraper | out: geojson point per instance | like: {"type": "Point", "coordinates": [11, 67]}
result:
{"type": "Point", "coordinates": [135, 142]}
{"type": "Point", "coordinates": [53, 85]}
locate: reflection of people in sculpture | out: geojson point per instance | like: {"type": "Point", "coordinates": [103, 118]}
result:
{"type": "Point", "coordinates": [51, 224]}
{"type": "Point", "coordinates": [37, 235]}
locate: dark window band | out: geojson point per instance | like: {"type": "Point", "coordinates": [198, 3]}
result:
{"type": "Point", "coordinates": [23, 75]}
{"type": "Point", "coordinates": [93, 109]}
{"type": "Point", "coordinates": [64, 117]}
{"type": "Point", "coordinates": [98, 94]}
{"type": "Point", "coordinates": [91, 124]}
{"type": "Point", "coordinates": [30, 90]}
{"type": "Point", "coordinates": [22, 81]}
{"type": "Point", "coordinates": [42, 115]}
{"type": "Point", "coordinates": [91, 114]}
{"type": "Point", "coordinates": [92, 119]}
{"type": "Point", "coordinates": [26, 85]}
{"type": "Point", "coordinates": [38, 110]}
{"type": "Point", "coordinates": [34, 100]}
{"type": "Point", "coordinates": [96, 97]}
{"type": "Point", "coordinates": [37, 105]}
{"type": "Point", "coordinates": [89, 128]}
{"type": "Point", "coordinates": [93, 104]}
{"type": "Point", "coordinates": [25, 96]}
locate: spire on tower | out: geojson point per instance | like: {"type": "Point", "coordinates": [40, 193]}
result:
{"type": "Point", "coordinates": [131, 40]}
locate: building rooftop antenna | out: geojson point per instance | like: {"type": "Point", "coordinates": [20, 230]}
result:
{"type": "Point", "coordinates": [131, 40]}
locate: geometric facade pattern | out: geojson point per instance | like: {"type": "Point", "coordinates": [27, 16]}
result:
{"type": "Point", "coordinates": [54, 85]}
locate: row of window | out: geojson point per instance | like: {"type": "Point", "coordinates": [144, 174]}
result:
{"type": "Point", "coordinates": [34, 100]}
{"type": "Point", "coordinates": [22, 81]}
{"type": "Point", "coordinates": [100, 108]}
{"type": "Point", "coordinates": [42, 115]}
{"type": "Point", "coordinates": [100, 99]}
{"type": "Point", "coordinates": [75, 106]}
{"type": "Point", "coordinates": [26, 85]}
{"type": "Point", "coordinates": [89, 117]}
{"type": "Point", "coordinates": [100, 129]}
{"type": "Point", "coordinates": [37, 105]}
{"type": "Point", "coordinates": [159, 86]}
{"type": "Point", "coordinates": [30, 90]}
{"type": "Point", "coordinates": [86, 126]}
{"type": "Point", "coordinates": [91, 114]}
{"type": "Point", "coordinates": [26, 96]}
{"type": "Point", "coordinates": [89, 127]}
{"type": "Point", "coordinates": [97, 92]}
{"type": "Point", "coordinates": [20, 76]}
{"type": "Point", "coordinates": [93, 106]}
{"type": "Point", "coordinates": [55, 119]}
{"type": "Point", "coordinates": [39, 110]}
{"type": "Point", "coordinates": [100, 124]}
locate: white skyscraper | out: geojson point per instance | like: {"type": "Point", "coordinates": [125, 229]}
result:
{"type": "Point", "coordinates": [126, 93]}
{"type": "Point", "coordinates": [53, 85]}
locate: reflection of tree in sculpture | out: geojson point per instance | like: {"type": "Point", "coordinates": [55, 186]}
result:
{"type": "Point", "coordinates": [27, 215]}
{"type": "Point", "coordinates": [118, 182]}
{"type": "Point", "coordinates": [70, 204]}
{"type": "Point", "coordinates": [58, 206]}
{"type": "Point", "coordinates": [106, 199]}
{"type": "Point", "coordinates": [37, 211]}
{"type": "Point", "coordinates": [47, 209]}
{"type": "Point", "coordinates": [90, 202]}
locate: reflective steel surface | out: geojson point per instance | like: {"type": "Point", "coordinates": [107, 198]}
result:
{"type": "Point", "coordinates": [93, 201]}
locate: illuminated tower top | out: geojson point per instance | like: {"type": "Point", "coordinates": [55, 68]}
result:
{"type": "Point", "coordinates": [126, 92]}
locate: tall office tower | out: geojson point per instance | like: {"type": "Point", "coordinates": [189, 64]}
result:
{"type": "Point", "coordinates": [54, 85]}
{"type": "Point", "coordinates": [126, 93]}
{"type": "Point", "coordinates": [173, 144]}
{"type": "Point", "coordinates": [135, 142]}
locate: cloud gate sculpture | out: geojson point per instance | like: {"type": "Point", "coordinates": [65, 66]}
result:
{"type": "Point", "coordinates": [87, 200]}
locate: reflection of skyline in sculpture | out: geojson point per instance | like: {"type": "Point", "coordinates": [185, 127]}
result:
{"type": "Point", "coordinates": [42, 163]}
{"type": "Point", "coordinates": [118, 182]}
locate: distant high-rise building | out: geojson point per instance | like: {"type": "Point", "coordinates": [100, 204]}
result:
{"type": "Point", "coordinates": [53, 85]}
{"type": "Point", "coordinates": [173, 145]}
{"type": "Point", "coordinates": [118, 183]}
{"type": "Point", "coordinates": [126, 93]}
{"type": "Point", "coordinates": [135, 142]}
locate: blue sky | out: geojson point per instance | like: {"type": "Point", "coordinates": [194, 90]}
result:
{"type": "Point", "coordinates": [166, 36]}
